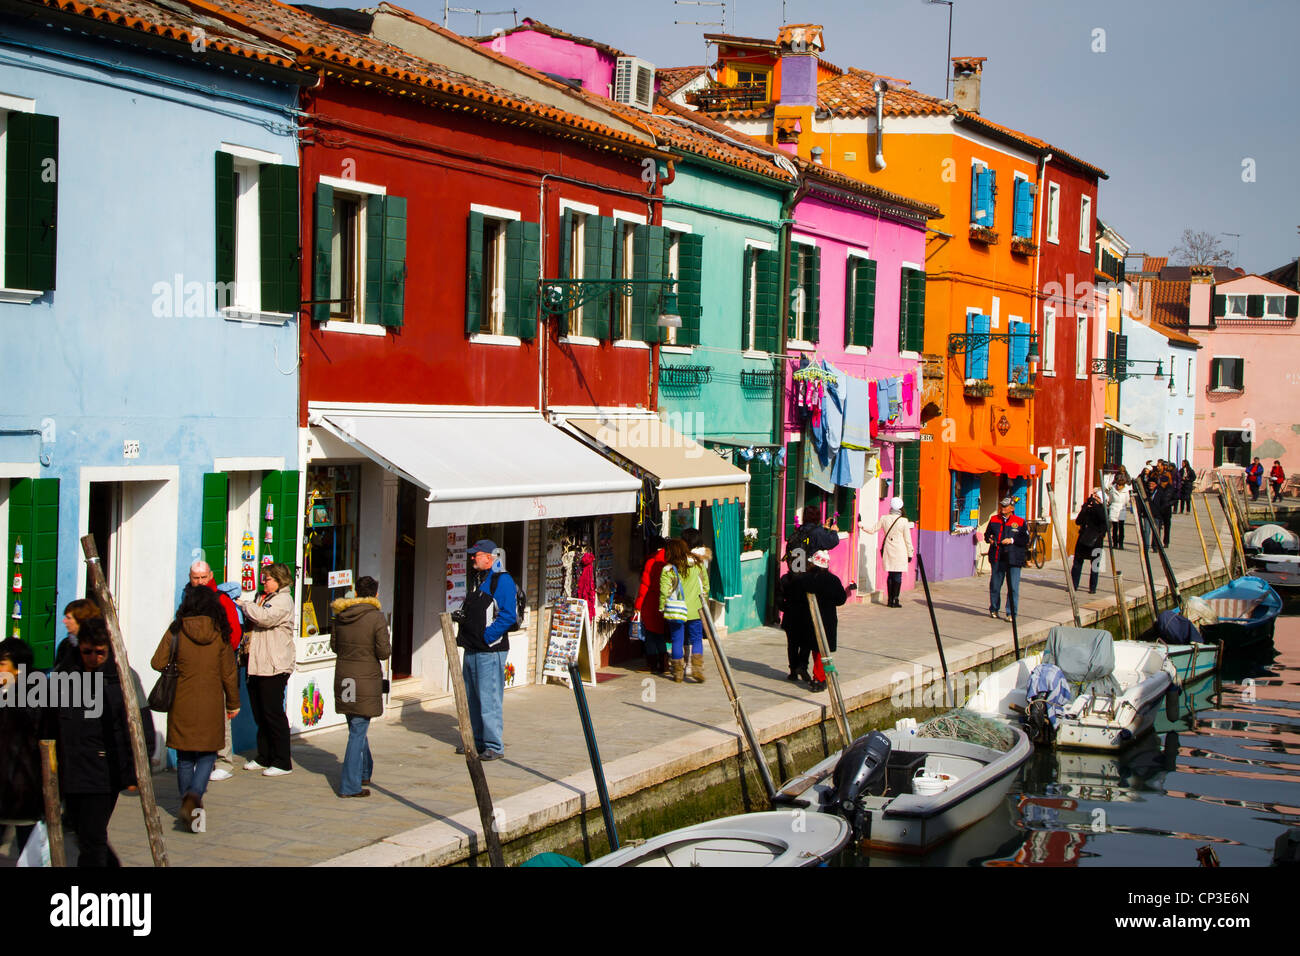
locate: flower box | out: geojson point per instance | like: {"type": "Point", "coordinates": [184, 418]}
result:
{"type": "Point", "coordinates": [978, 389]}
{"type": "Point", "coordinates": [984, 234]}
{"type": "Point", "coordinates": [1022, 245]}
{"type": "Point", "coordinates": [1020, 391]}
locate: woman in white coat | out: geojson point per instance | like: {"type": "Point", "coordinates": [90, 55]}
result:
{"type": "Point", "coordinates": [895, 547]}
{"type": "Point", "coordinates": [1117, 499]}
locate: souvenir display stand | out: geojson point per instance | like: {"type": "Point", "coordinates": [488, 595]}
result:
{"type": "Point", "coordinates": [569, 636]}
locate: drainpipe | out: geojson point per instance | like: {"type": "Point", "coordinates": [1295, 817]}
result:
{"type": "Point", "coordinates": [880, 87]}
{"type": "Point", "coordinates": [1039, 217]}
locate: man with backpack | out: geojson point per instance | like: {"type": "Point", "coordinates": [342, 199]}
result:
{"type": "Point", "coordinates": [487, 617]}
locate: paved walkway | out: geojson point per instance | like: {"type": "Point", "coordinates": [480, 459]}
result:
{"type": "Point", "coordinates": [422, 807]}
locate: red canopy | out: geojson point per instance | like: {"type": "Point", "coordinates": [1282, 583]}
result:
{"type": "Point", "coordinates": [1015, 462]}
{"type": "Point", "coordinates": [971, 459]}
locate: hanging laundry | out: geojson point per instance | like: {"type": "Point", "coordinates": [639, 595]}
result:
{"type": "Point", "coordinates": [882, 400]}
{"type": "Point", "coordinates": [909, 392]}
{"type": "Point", "coordinates": [873, 414]}
{"type": "Point", "coordinates": [894, 389]}
{"type": "Point", "coordinates": [850, 463]}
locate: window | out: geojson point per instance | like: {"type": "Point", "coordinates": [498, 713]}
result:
{"type": "Point", "coordinates": [257, 267]}
{"type": "Point", "coordinates": [749, 300]}
{"type": "Point", "coordinates": [1045, 454]}
{"type": "Point", "coordinates": [360, 262]}
{"type": "Point", "coordinates": [754, 80]}
{"type": "Point", "coordinates": [983, 194]}
{"type": "Point", "coordinates": [1076, 494]}
{"type": "Point", "coordinates": [1053, 212]}
{"type": "Point", "coordinates": [1085, 224]}
{"type": "Point", "coordinates": [977, 355]}
{"type": "Point", "coordinates": [860, 302]}
{"type": "Point", "coordinates": [1231, 447]}
{"type": "Point", "coordinates": [1227, 374]}
{"type": "Point", "coordinates": [805, 296]}
{"type": "Point", "coordinates": [965, 500]}
{"type": "Point", "coordinates": [503, 263]}
{"type": "Point", "coordinates": [1017, 351]}
{"type": "Point", "coordinates": [842, 515]}
{"type": "Point", "coordinates": [911, 310]}
{"type": "Point", "coordinates": [1022, 220]}
{"type": "Point", "coordinates": [29, 153]}
{"type": "Point", "coordinates": [1049, 341]}
{"type": "Point", "coordinates": [1274, 306]}
{"type": "Point", "coordinates": [1081, 348]}
{"type": "Point", "coordinates": [1236, 307]}
{"type": "Point", "coordinates": [1190, 379]}
{"type": "Point", "coordinates": [907, 470]}
{"type": "Point", "coordinates": [760, 502]}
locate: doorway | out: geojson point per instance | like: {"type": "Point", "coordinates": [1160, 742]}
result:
{"type": "Point", "coordinates": [106, 528]}
{"type": "Point", "coordinates": [404, 580]}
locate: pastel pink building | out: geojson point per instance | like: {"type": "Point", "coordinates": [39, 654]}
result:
{"type": "Point", "coordinates": [562, 55]}
{"type": "Point", "coordinates": [1250, 403]}
{"type": "Point", "coordinates": [853, 248]}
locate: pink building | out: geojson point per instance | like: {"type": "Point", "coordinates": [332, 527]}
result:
{"type": "Point", "coordinates": [1250, 403]}
{"type": "Point", "coordinates": [853, 248]}
{"type": "Point", "coordinates": [562, 55]}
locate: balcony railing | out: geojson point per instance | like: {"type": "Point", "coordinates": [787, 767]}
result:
{"type": "Point", "coordinates": [742, 96]}
{"type": "Point", "coordinates": [685, 376]}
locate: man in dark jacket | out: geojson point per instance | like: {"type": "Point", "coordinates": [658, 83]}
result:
{"type": "Point", "coordinates": [1162, 508]}
{"type": "Point", "coordinates": [21, 800]}
{"type": "Point", "coordinates": [1093, 524]}
{"type": "Point", "coordinates": [486, 619]}
{"type": "Point", "coordinates": [796, 616]}
{"type": "Point", "coordinates": [95, 761]}
{"type": "Point", "coordinates": [1255, 478]}
{"type": "Point", "coordinates": [359, 636]}
{"type": "Point", "coordinates": [809, 538]}
{"type": "Point", "coordinates": [1007, 538]}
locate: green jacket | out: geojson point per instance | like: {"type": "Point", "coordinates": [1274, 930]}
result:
{"type": "Point", "coordinates": [695, 587]}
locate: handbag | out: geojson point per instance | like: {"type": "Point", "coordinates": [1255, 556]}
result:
{"type": "Point", "coordinates": [675, 607]}
{"type": "Point", "coordinates": [163, 694]}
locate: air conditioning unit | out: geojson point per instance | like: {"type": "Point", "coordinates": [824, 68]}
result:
{"type": "Point", "coordinates": [634, 82]}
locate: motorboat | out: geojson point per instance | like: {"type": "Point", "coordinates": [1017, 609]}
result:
{"type": "Point", "coordinates": [1191, 655]}
{"type": "Point", "coordinates": [1084, 690]}
{"type": "Point", "coordinates": [905, 791]}
{"type": "Point", "coordinates": [1273, 555]}
{"type": "Point", "coordinates": [788, 838]}
{"type": "Point", "coordinates": [1247, 608]}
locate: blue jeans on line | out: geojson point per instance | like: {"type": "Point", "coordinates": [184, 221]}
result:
{"type": "Point", "coordinates": [678, 632]}
{"type": "Point", "coordinates": [193, 768]}
{"type": "Point", "coordinates": [1012, 576]}
{"type": "Point", "coordinates": [485, 686]}
{"type": "Point", "coordinates": [357, 763]}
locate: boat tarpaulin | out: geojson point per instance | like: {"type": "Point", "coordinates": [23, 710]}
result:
{"type": "Point", "coordinates": [970, 459]}
{"type": "Point", "coordinates": [686, 472]}
{"type": "Point", "coordinates": [1015, 462]}
{"type": "Point", "coordinates": [480, 468]}
{"type": "Point", "coordinates": [1086, 655]}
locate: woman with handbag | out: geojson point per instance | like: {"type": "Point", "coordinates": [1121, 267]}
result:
{"type": "Point", "coordinates": [268, 632]}
{"type": "Point", "coordinates": [200, 678]}
{"type": "Point", "coordinates": [359, 638]}
{"type": "Point", "coordinates": [896, 549]}
{"type": "Point", "coordinates": [683, 589]}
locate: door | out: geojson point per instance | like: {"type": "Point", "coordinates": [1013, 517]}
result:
{"type": "Point", "coordinates": [106, 528]}
{"type": "Point", "coordinates": [1061, 487]}
{"type": "Point", "coordinates": [404, 580]}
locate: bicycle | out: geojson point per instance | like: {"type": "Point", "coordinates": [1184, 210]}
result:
{"type": "Point", "coordinates": [1037, 547]}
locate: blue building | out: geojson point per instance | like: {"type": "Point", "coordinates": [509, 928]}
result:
{"type": "Point", "coordinates": [148, 309]}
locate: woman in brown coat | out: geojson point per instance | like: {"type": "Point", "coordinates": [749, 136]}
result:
{"type": "Point", "coordinates": [207, 685]}
{"type": "Point", "coordinates": [359, 636]}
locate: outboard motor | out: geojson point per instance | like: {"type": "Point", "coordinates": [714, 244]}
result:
{"type": "Point", "coordinates": [1038, 725]}
{"type": "Point", "coordinates": [860, 772]}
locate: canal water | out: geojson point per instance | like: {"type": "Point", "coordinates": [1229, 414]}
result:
{"type": "Point", "coordinates": [1225, 775]}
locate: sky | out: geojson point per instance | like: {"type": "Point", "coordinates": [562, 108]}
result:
{"type": "Point", "coordinates": [1189, 105]}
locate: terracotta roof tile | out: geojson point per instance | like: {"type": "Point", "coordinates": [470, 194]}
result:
{"type": "Point", "coordinates": [1154, 263]}
{"type": "Point", "coordinates": [708, 138]}
{"type": "Point", "coordinates": [674, 78]}
{"type": "Point", "coordinates": [1169, 303]}
{"type": "Point", "coordinates": [831, 177]}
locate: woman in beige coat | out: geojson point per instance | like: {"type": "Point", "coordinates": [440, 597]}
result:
{"type": "Point", "coordinates": [268, 629]}
{"type": "Point", "coordinates": [207, 687]}
{"type": "Point", "coordinates": [896, 547]}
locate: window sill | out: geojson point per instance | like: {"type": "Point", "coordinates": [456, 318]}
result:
{"type": "Point", "coordinates": [631, 344]}
{"type": "Point", "coordinates": [353, 328]}
{"type": "Point", "coordinates": [578, 340]}
{"type": "Point", "coordinates": [914, 356]}
{"type": "Point", "coordinates": [20, 296]}
{"type": "Point", "coordinates": [752, 555]}
{"type": "Point", "coordinates": [1049, 372]}
{"type": "Point", "coordinates": [1225, 390]}
{"type": "Point", "coordinates": [755, 354]}
{"type": "Point", "coordinates": [676, 349]}
{"type": "Point", "coordinates": [234, 313]}
{"type": "Point", "coordinates": [483, 338]}
{"type": "Point", "coordinates": [855, 350]}
{"type": "Point", "coordinates": [1054, 240]}
{"type": "Point", "coordinates": [799, 345]}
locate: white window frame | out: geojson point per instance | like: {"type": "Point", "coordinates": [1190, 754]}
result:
{"type": "Point", "coordinates": [577, 263]}
{"type": "Point", "coordinates": [1053, 213]}
{"type": "Point", "coordinates": [673, 249]}
{"type": "Point", "coordinates": [1229, 312]}
{"type": "Point", "coordinates": [1078, 463]}
{"type": "Point", "coordinates": [796, 341]}
{"type": "Point", "coordinates": [851, 285]}
{"type": "Point", "coordinates": [11, 104]}
{"type": "Point", "coordinates": [496, 300]}
{"type": "Point", "coordinates": [1226, 388]}
{"type": "Point", "coordinates": [1281, 304]}
{"type": "Point", "coordinates": [1043, 509]}
{"type": "Point", "coordinates": [1048, 347]}
{"type": "Point", "coordinates": [628, 221]}
{"type": "Point", "coordinates": [751, 263]}
{"type": "Point", "coordinates": [356, 325]}
{"type": "Point", "coordinates": [1085, 224]}
{"type": "Point", "coordinates": [1081, 346]}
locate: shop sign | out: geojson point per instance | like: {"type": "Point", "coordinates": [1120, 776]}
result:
{"type": "Point", "coordinates": [340, 579]}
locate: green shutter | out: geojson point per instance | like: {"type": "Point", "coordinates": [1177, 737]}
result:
{"type": "Point", "coordinates": [320, 311]}
{"type": "Point", "coordinates": [907, 470]}
{"type": "Point", "coordinates": [1121, 357]}
{"type": "Point", "coordinates": [911, 318]}
{"type": "Point", "coordinates": [860, 305]}
{"type": "Point", "coordinates": [1239, 373]}
{"type": "Point", "coordinates": [844, 502]}
{"type": "Point", "coordinates": [767, 317]}
{"type": "Point", "coordinates": [760, 502]}
{"type": "Point", "coordinates": [1220, 306]}
{"type": "Point", "coordinates": [1255, 306]}
{"type": "Point", "coordinates": [212, 531]}
{"type": "Point", "coordinates": [1292, 306]}
{"type": "Point", "coordinates": [474, 274]}
{"type": "Point", "coordinates": [690, 287]}
{"type": "Point", "coordinates": [523, 245]}
{"type": "Point", "coordinates": [34, 520]}
{"type": "Point", "coordinates": [1218, 449]}
{"type": "Point", "coordinates": [280, 492]}
{"type": "Point", "coordinates": [647, 263]}
{"type": "Point", "coordinates": [385, 260]}
{"type": "Point", "coordinates": [277, 209]}
{"type": "Point", "coordinates": [225, 223]}
{"type": "Point", "coordinates": [791, 487]}
{"type": "Point", "coordinates": [566, 244]}
{"type": "Point", "coordinates": [31, 201]}
{"type": "Point", "coordinates": [812, 294]}
{"type": "Point", "coordinates": [599, 242]}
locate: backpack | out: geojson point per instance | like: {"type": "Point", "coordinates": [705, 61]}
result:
{"type": "Point", "coordinates": [521, 601]}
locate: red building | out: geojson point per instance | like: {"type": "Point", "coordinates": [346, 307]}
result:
{"type": "Point", "coordinates": [1072, 333]}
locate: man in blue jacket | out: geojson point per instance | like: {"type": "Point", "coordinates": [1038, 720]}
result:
{"type": "Point", "coordinates": [486, 619]}
{"type": "Point", "coordinates": [1007, 538]}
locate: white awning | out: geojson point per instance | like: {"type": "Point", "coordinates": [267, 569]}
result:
{"type": "Point", "coordinates": [1147, 441]}
{"type": "Point", "coordinates": [485, 468]}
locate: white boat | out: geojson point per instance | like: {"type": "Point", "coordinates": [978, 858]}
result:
{"type": "Point", "coordinates": [905, 792]}
{"type": "Point", "coordinates": [1273, 553]}
{"type": "Point", "coordinates": [773, 838]}
{"type": "Point", "coordinates": [1140, 677]}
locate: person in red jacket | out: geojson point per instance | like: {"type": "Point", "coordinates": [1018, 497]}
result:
{"type": "Point", "coordinates": [1007, 538]}
{"type": "Point", "coordinates": [201, 575]}
{"type": "Point", "coordinates": [647, 607]}
{"type": "Point", "coordinates": [1277, 477]}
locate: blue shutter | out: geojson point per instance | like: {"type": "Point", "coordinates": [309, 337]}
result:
{"type": "Point", "coordinates": [983, 199]}
{"type": "Point", "coordinates": [977, 357]}
{"type": "Point", "coordinates": [976, 174]}
{"type": "Point", "coordinates": [968, 498]}
{"type": "Point", "coordinates": [1020, 492]}
{"type": "Point", "coordinates": [993, 196]}
{"type": "Point", "coordinates": [1024, 206]}
{"type": "Point", "coordinates": [1018, 353]}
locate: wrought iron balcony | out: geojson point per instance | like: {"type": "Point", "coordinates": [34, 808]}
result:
{"type": "Point", "coordinates": [758, 379]}
{"type": "Point", "coordinates": [685, 376]}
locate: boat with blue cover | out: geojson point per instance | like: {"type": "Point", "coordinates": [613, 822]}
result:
{"type": "Point", "coordinates": [1247, 608]}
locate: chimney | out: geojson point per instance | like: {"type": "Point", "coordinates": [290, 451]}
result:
{"type": "Point", "coordinates": [799, 45]}
{"type": "Point", "coordinates": [1198, 295]}
{"type": "Point", "coordinates": [966, 72]}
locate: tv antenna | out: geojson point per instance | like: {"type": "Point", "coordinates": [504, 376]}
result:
{"type": "Point", "coordinates": [704, 23]}
{"type": "Point", "coordinates": [478, 15]}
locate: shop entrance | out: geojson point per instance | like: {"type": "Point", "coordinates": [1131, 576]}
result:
{"type": "Point", "coordinates": [404, 579]}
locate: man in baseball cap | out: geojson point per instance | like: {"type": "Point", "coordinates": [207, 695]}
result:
{"type": "Point", "coordinates": [487, 617]}
{"type": "Point", "coordinates": [1007, 538]}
